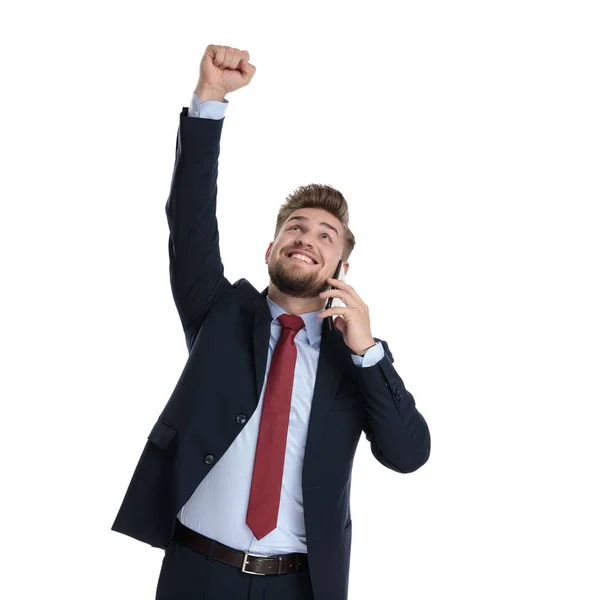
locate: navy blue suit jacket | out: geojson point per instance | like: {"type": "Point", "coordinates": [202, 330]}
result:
{"type": "Point", "coordinates": [227, 329]}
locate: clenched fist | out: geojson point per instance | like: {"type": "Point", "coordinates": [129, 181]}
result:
{"type": "Point", "coordinates": [223, 70]}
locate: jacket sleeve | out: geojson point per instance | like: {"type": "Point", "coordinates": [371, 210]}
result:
{"type": "Point", "coordinates": [398, 433]}
{"type": "Point", "coordinates": [195, 266]}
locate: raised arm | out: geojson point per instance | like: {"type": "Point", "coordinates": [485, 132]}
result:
{"type": "Point", "coordinates": [195, 266]}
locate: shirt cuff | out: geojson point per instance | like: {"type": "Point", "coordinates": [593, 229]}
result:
{"type": "Point", "coordinates": [372, 356]}
{"type": "Point", "coordinates": [209, 109]}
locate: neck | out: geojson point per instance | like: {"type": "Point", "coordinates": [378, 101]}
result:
{"type": "Point", "coordinates": [293, 305]}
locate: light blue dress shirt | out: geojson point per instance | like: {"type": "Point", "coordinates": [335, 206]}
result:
{"type": "Point", "coordinates": [219, 505]}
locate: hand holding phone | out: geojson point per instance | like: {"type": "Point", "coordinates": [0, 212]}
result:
{"type": "Point", "coordinates": [339, 274]}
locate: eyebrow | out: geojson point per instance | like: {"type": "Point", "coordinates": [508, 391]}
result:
{"type": "Point", "coordinates": [300, 218]}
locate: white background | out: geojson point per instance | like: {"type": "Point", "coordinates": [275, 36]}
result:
{"type": "Point", "coordinates": [465, 137]}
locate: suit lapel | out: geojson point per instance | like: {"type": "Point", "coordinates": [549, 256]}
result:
{"type": "Point", "coordinates": [331, 358]}
{"type": "Point", "coordinates": [328, 369]}
{"type": "Point", "coordinates": [260, 337]}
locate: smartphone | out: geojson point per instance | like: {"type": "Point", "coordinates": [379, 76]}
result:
{"type": "Point", "coordinates": [339, 274]}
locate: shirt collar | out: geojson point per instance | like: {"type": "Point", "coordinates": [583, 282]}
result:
{"type": "Point", "coordinates": [314, 325]}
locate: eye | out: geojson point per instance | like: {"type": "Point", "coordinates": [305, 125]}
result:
{"type": "Point", "coordinates": [298, 226]}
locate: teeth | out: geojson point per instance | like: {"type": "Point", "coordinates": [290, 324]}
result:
{"type": "Point", "coordinates": [304, 258]}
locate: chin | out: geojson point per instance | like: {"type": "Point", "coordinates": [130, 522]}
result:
{"type": "Point", "coordinates": [295, 284]}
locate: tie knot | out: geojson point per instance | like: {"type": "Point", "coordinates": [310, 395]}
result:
{"type": "Point", "coordinates": [293, 322]}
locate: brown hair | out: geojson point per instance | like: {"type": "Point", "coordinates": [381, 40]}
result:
{"type": "Point", "coordinates": [320, 196]}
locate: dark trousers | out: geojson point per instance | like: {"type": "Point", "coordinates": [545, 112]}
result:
{"type": "Point", "coordinates": [187, 575]}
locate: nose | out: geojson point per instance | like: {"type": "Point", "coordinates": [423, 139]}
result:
{"type": "Point", "coordinates": [304, 242]}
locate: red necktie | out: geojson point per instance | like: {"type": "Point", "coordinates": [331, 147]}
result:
{"type": "Point", "coordinates": [265, 491]}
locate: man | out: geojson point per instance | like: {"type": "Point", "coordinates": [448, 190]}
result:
{"type": "Point", "coordinates": [247, 471]}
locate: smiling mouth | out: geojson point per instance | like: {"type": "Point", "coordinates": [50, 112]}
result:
{"type": "Point", "coordinates": [303, 262]}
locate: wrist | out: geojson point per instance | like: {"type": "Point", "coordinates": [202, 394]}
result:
{"type": "Point", "coordinates": [206, 93]}
{"type": "Point", "coordinates": [363, 352]}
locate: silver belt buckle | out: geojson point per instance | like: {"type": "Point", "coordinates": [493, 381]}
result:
{"type": "Point", "coordinates": [246, 555]}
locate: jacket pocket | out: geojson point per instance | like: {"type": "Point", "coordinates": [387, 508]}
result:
{"type": "Point", "coordinates": [162, 434]}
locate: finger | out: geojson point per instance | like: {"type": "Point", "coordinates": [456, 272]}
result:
{"type": "Point", "coordinates": [230, 55]}
{"type": "Point", "coordinates": [238, 57]}
{"type": "Point", "coordinates": [340, 323]}
{"type": "Point", "coordinates": [339, 283]}
{"type": "Point", "coordinates": [247, 69]}
{"type": "Point", "coordinates": [220, 54]}
{"type": "Point", "coordinates": [338, 310]}
{"type": "Point", "coordinates": [335, 294]}
{"type": "Point", "coordinates": [211, 50]}
{"type": "Point", "coordinates": [343, 286]}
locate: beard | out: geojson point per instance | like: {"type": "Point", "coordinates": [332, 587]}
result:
{"type": "Point", "coordinates": [296, 282]}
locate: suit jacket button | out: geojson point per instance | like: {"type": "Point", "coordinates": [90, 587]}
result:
{"type": "Point", "coordinates": [241, 419]}
{"type": "Point", "coordinates": [209, 459]}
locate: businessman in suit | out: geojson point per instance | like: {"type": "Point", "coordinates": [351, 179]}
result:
{"type": "Point", "coordinates": [247, 471]}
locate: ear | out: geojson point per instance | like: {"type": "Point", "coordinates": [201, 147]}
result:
{"type": "Point", "coordinates": [346, 267]}
{"type": "Point", "coordinates": [268, 252]}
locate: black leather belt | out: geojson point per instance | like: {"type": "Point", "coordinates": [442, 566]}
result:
{"type": "Point", "coordinates": [254, 564]}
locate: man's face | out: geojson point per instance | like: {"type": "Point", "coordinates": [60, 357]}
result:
{"type": "Point", "coordinates": [309, 231]}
